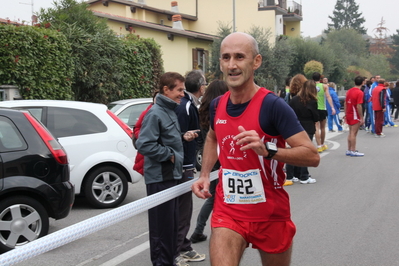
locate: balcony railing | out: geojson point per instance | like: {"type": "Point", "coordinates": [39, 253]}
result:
{"type": "Point", "coordinates": [294, 7]}
{"type": "Point", "coordinates": [290, 6]}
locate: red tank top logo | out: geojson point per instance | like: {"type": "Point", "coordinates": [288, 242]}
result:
{"type": "Point", "coordinates": [228, 145]}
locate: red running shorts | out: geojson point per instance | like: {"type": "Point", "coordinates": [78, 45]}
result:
{"type": "Point", "coordinates": [270, 237]}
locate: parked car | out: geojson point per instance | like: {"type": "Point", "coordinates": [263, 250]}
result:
{"type": "Point", "coordinates": [99, 147]}
{"type": "Point", "coordinates": [34, 179]}
{"type": "Point", "coordinates": [342, 101]}
{"type": "Point", "coordinates": [129, 110]}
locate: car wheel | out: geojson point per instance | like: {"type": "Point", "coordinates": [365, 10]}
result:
{"type": "Point", "coordinates": [105, 187]}
{"type": "Point", "coordinates": [198, 159]}
{"type": "Point", "coordinates": [22, 220]}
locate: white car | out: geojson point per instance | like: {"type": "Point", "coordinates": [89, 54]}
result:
{"type": "Point", "coordinates": [98, 144]}
{"type": "Point", "coordinates": [129, 110]}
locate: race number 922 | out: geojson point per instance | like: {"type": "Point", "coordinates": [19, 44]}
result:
{"type": "Point", "coordinates": [239, 186]}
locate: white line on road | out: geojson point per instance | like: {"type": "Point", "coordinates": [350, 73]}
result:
{"type": "Point", "coordinates": [127, 255]}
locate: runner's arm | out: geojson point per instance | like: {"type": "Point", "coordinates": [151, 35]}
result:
{"type": "Point", "coordinates": [328, 97]}
{"type": "Point", "coordinates": [209, 157]}
{"type": "Point", "coordinates": [301, 153]}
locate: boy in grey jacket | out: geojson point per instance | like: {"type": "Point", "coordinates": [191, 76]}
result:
{"type": "Point", "coordinates": [160, 141]}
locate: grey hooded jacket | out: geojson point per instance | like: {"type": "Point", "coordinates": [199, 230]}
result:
{"type": "Point", "coordinates": [159, 139]}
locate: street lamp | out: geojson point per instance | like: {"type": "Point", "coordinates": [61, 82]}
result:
{"type": "Point", "coordinates": [234, 15]}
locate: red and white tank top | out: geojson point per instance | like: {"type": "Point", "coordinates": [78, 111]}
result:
{"type": "Point", "coordinates": [250, 187]}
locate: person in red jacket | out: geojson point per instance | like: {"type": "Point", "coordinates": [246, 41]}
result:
{"type": "Point", "coordinates": [378, 96]}
{"type": "Point", "coordinates": [139, 161]}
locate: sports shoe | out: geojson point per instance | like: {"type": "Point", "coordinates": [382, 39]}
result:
{"type": "Point", "coordinates": [320, 149]}
{"type": "Point", "coordinates": [295, 179]}
{"type": "Point", "coordinates": [192, 255]}
{"type": "Point", "coordinates": [395, 126]}
{"type": "Point", "coordinates": [356, 154]}
{"type": "Point", "coordinates": [380, 136]}
{"type": "Point", "coordinates": [308, 181]}
{"type": "Point", "coordinates": [288, 183]}
{"type": "Point", "coordinates": [324, 147]}
{"type": "Point", "coordinates": [348, 153]}
{"type": "Point", "coordinates": [332, 130]}
{"type": "Point", "coordinates": [195, 238]}
{"type": "Point", "coordinates": [180, 261]}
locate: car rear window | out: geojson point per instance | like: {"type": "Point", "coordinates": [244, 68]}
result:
{"type": "Point", "coordinates": [10, 137]}
{"type": "Point", "coordinates": [66, 122]}
{"type": "Point", "coordinates": [132, 113]}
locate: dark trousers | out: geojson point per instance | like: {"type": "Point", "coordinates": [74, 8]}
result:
{"type": "Point", "coordinates": [185, 202]}
{"type": "Point", "coordinates": [301, 172]}
{"type": "Point", "coordinates": [206, 209]}
{"type": "Point", "coordinates": [379, 121]}
{"type": "Point", "coordinates": [163, 225]}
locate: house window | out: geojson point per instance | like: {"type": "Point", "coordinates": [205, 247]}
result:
{"type": "Point", "coordinates": [200, 59]}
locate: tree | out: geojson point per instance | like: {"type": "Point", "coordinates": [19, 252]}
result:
{"type": "Point", "coordinates": [36, 59]}
{"type": "Point", "coordinates": [311, 67]}
{"type": "Point", "coordinates": [307, 50]}
{"type": "Point", "coordinates": [143, 67]}
{"type": "Point", "coordinates": [394, 60]}
{"type": "Point", "coordinates": [376, 64]}
{"type": "Point", "coordinates": [380, 45]}
{"type": "Point", "coordinates": [349, 48]}
{"type": "Point", "coordinates": [96, 51]}
{"type": "Point", "coordinates": [223, 31]}
{"type": "Point", "coordinates": [346, 16]}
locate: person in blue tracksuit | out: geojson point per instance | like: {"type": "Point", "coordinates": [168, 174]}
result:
{"type": "Point", "coordinates": [387, 114]}
{"type": "Point", "coordinates": [371, 127]}
{"type": "Point", "coordinates": [333, 118]}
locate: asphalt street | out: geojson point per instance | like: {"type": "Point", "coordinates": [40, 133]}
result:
{"type": "Point", "coordinates": [348, 217]}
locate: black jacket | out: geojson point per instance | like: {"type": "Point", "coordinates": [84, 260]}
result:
{"type": "Point", "coordinates": [395, 95]}
{"type": "Point", "coordinates": [187, 114]}
{"type": "Point", "coordinates": [307, 114]}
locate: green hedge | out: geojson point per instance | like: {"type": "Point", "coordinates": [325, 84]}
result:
{"type": "Point", "coordinates": [143, 66]}
{"type": "Point", "coordinates": [37, 60]}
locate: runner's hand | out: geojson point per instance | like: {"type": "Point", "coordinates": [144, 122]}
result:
{"type": "Point", "coordinates": [201, 188]}
{"type": "Point", "coordinates": [250, 140]}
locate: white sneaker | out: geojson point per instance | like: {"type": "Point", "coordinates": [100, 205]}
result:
{"type": "Point", "coordinates": [295, 179]}
{"type": "Point", "coordinates": [308, 181]}
{"type": "Point", "coordinates": [180, 261]}
{"type": "Point", "coordinates": [356, 154]}
{"type": "Point", "coordinates": [348, 153]}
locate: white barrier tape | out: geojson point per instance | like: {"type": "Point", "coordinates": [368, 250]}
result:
{"type": "Point", "coordinates": [94, 224]}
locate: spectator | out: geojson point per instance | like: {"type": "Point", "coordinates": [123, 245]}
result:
{"type": "Point", "coordinates": [395, 96]}
{"type": "Point", "coordinates": [304, 105]}
{"type": "Point", "coordinates": [387, 114]}
{"type": "Point", "coordinates": [160, 142]}
{"type": "Point", "coordinates": [139, 160]}
{"type": "Point", "coordinates": [354, 115]}
{"type": "Point", "coordinates": [323, 94]}
{"type": "Point", "coordinates": [296, 85]}
{"type": "Point", "coordinates": [378, 98]}
{"type": "Point", "coordinates": [284, 92]}
{"type": "Point", "coordinates": [215, 89]}
{"type": "Point", "coordinates": [187, 114]}
{"type": "Point", "coordinates": [337, 106]}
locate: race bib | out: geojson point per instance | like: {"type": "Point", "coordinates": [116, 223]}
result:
{"type": "Point", "coordinates": [243, 187]}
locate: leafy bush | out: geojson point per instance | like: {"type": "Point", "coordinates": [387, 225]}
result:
{"type": "Point", "coordinates": [311, 67]}
{"type": "Point", "coordinates": [143, 66]}
{"type": "Point", "coordinates": [37, 60]}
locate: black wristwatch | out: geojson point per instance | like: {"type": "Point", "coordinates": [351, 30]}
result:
{"type": "Point", "coordinates": [271, 149]}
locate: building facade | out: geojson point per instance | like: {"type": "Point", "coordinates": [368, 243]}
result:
{"type": "Point", "coordinates": [186, 29]}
